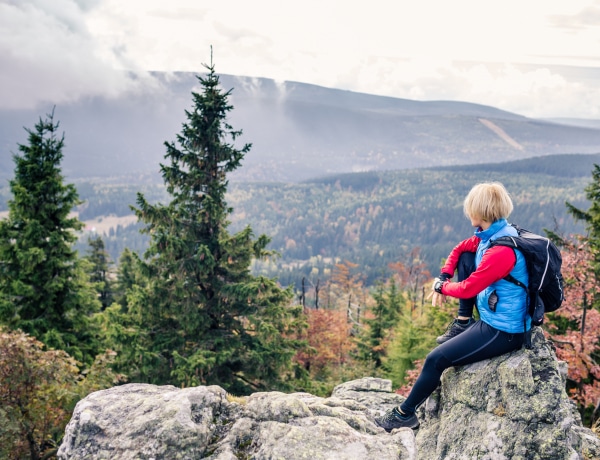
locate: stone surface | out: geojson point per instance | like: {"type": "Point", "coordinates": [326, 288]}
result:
{"type": "Point", "coordinates": [138, 421]}
{"type": "Point", "coordinates": [510, 407]}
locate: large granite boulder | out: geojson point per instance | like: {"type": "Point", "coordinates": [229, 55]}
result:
{"type": "Point", "coordinates": [139, 421]}
{"type": "Point", "coordinates": [510, 407]}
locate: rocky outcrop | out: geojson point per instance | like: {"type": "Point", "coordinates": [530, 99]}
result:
{"type": "Point", "coordinates": [510, 407]}
{"type": "Point", "coordinates": [139, 421]}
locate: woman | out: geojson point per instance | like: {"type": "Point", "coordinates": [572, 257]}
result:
{"type": "Point", "coordinates": [502, 305]}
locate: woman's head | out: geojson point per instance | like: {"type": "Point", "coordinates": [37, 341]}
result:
{"type": "Point", "coordinates": [488, 201]}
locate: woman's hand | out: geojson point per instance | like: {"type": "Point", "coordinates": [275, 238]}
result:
{"type": "Point", "coordinates": [437, 298]}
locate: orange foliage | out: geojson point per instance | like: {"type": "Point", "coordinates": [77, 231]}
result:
{"type": "Point", "coordinates": [410, 275]}
{"type": "Point", "coordinates": [578, 344]}
{"type": "Point", "coordinates": [36, 390]}
{"type": "Point", "coordinates": [411, 377]}
{"type": "Point", "coordinates": [343, 278]}
{"type": "Point", "coordinates": [328, 336]}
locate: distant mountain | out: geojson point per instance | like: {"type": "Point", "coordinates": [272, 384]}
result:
{"type": "Point", "coordinates": [298, 131]}
{"type": "Point", "coordinates": [581, 122]}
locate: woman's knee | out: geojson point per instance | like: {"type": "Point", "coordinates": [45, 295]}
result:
{"type": "Point", "coordinates": [436, 360]}
{"type": "Point", "coordinates": [466, 265]}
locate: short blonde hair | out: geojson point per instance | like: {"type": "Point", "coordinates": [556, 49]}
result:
{"type": "Point", "coordinates": [488, 201]}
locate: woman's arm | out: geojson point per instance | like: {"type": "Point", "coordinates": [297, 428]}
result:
{"type": "Point", "coordinates": [496, 263]}
{"type": "Point", "coordinates": [468, 245]}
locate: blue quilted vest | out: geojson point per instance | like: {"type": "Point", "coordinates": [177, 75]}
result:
{"type": "Point", "coordinates": [503, 304]}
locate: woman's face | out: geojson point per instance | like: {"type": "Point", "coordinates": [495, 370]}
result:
{"type": "Point", "coordinates": [477, 221]}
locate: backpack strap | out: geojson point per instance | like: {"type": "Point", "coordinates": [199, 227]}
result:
{"type": "Point", "coordinates": [527, 338]}
{"type": "Point", "coordinates": [527, 333]}
{"type": "Point", "coordinates": [511, 278]}
{"type": "Point", "coordinates": [514, 280]}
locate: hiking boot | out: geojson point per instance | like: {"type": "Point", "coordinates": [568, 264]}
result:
{"type": "Point", "coordinates": [394, 418]}
{"type": "Point", "coordinates": [453, 329]}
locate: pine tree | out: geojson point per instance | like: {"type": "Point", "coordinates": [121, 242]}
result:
{"type": "Point", "coordinates": [44, 289]}
{"type": "Point", "coordinates": [591, 217]}
{"type": "Point", "coordinates": [129, 276]}
{"type": "Point", "coordinates": [375, 337]}
{"type": "Point", "coordinates": [208, 320]}
{"type": "Point", "coordinates": [99, 270]}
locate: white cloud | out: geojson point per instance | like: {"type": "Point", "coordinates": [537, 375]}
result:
{"type": "Point", "coordinates": [530, 57]}
{"type": "Point", "coordinates": [47, 55]}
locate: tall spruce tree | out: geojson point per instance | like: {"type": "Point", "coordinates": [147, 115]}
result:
{"type": "Point", "coordinates": [44, 289]}
{"type": "Point", "coordinates": [207, 320]}
{"type": "Point", "coordinates": [99, 270]}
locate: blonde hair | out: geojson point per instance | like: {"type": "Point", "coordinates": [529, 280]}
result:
{"type": "Point", "coordinates": [488, 201]}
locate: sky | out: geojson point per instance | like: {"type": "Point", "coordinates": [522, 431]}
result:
{"type": "Point", "coordinates": [538, 58]}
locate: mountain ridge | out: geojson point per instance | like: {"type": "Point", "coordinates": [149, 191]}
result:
{"type": "Point", "coordinates": [297, 131]}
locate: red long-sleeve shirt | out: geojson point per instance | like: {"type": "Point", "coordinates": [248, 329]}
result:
{"type": "Point", "coordinates": [496, 263]}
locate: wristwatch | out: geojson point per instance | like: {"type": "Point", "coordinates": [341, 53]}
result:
{"type": "Point", "coordinates": [437, 285]}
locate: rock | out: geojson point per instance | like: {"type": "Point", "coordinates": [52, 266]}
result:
{"type": "Point", "coordinates": [510, 407]}
{"type": "Point", "coordinates": [138, 421]}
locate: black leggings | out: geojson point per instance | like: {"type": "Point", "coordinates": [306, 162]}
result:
{"type": "Point", "coordinates": [480, 341]}
{"type": "Point", "coordinates": [466, 266]}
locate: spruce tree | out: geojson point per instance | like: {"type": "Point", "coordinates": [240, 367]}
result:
{"type": "Point", "coordinates": [591, 217]}
{"type": "Point", "coordinates": [99, 270]}
{"type": "Point", "coordinates": [374, 339]}
{"type": "Point", "coordinates": [207, 319]}
{"type": "Point", "coordinates": [44, 289]}
{"type": "Point", "coordinates": [129, 276]}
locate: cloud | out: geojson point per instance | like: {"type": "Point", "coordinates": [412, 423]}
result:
{"type": "Point", "coordinates": [532, 90]}
{"type": "Point", "coordinates": [48, 56]}
{"type": "Point", "coordinates": [56, 51]}
{"type": "Point", "coordinates": [586, 17]}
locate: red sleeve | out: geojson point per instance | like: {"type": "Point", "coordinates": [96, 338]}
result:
{"type": "Point", "coordinates": [496, 263]}
{"type": "Point", "coordinates": [468, 245]}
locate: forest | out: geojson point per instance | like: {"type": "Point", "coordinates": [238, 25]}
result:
{"type": "Point", "coordinates": [254, 286]}
{"type": "Point", "coordinates": [369, 218]}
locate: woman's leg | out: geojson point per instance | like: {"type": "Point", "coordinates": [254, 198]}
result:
{"type": "Point", "coordinates": [466, 266]}
{"type": "Point", "coordinates": [481, 341]}
{"type": "Point", "coordinates": [464, 319]}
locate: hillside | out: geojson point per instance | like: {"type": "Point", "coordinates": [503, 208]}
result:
{"type": "Point", "coordinates": [370, 218]}
{"type": "Point", "coordinates": [376, 218]}
{"type": "Point", "coordinates": [298, 131]}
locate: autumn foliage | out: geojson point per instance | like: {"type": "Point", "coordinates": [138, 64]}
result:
{"type": "Point", "coordinates": [38, 390]}
{"type": "Point", "coordinates": [329, 342]}
{"type": "Point", "coordinates": [574, 327]}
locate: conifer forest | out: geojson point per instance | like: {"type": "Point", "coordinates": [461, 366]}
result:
{"type": "Point", "coordinates": [254, 286]}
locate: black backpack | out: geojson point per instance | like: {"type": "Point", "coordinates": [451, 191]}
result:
{"type": "Point", "coordinates": [543, 259]}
